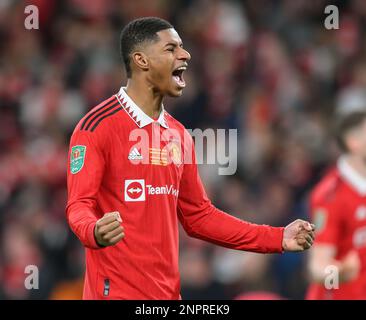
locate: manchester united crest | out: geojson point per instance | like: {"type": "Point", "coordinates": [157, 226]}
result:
{"type": "Point", "coordinates": [175, 153]}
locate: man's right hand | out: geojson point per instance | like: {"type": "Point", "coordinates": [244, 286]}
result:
{"type": "Point", "coordinates": [108, 230]}
{"type": "Point", "coordinates": [350, 266]}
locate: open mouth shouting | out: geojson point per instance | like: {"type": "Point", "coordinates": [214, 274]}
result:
{"type": "Point", "coordinates": [178, 76]}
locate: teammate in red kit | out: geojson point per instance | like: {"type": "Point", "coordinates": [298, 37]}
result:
{"type": "Point", "coordinates": [132, 175]}
{"type": "Point", "coordinates": [338, 207]}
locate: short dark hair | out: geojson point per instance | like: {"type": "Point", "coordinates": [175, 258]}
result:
{"type": "Point", "coordinates": [346, 123]}
{"type": "Point", "coordinates": [137, 32]}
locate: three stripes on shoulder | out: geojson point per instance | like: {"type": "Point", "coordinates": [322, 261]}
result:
{"type": "Point", "coordinates": [108, 108]}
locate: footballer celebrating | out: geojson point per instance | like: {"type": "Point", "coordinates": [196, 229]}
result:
{"type": "Point", "coordinates": [133, 176]}
{"type": "Point", "coordinates": [338, 208]}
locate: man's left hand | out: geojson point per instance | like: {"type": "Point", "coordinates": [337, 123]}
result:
{"type": "Point", "coordinates": [298, 236]}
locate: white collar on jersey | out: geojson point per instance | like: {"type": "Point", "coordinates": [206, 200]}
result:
{"type": "Point", "coordinates": [135, 112]}
{"type": "Point", "coordinates": [357, 181]}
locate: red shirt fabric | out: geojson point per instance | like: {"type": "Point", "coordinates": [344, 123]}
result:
{"type": "Point", "coordinates": [338, 208]}
{"type": "Point", "coordinates": [123, 160]}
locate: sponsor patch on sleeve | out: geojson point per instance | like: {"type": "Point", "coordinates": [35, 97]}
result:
{"type": "Point", "coordinates": [77, 158]}
{"type": "Point", "coordinates": [320, 219]}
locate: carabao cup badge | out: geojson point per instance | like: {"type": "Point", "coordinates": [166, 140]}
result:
{"type": "Point", "coordinates": [77, 158]}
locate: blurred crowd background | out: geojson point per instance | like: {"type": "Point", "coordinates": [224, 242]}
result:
{"type": "Point", "coordinates": [268, 68]}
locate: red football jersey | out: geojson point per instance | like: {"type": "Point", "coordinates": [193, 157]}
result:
{"type": "Point", "coordinates": [122, 160]}
{"type": "Point", "coordinates": [338, 207]}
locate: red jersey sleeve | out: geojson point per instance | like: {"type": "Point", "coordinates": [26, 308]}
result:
{"type": "Point", "coordinates": [202, 220]}
{"type": "Point", "coordinates": [85, 171]}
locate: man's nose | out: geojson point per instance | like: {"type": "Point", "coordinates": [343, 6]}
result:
{"type": "Point", "coordinates": [184, 55]}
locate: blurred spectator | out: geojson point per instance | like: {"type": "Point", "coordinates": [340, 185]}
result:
{"type": "Point", "coordinates": [268, 68]}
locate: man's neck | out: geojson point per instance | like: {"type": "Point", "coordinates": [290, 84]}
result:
{"type": "Point", "coordinates": [357, 163]}
{"type": "Point", "coordinates": [144, 96]}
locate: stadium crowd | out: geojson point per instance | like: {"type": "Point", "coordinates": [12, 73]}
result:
{"type": "Point", "coordinates": [267, 68]}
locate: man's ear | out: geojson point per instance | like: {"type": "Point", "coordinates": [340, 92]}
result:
{"type": "Point", "coordinates": [140, 59]}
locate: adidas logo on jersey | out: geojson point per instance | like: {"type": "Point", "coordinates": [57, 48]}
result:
{"type": "Point", "coordinates": [134, 155]}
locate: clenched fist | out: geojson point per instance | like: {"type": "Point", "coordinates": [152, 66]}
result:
{"type": "Point", "coordinates": [298, 236]}
{"type": "Point", "coordinates": [108, 230]}
{"type": "Point", "coordinates": [350, 266]}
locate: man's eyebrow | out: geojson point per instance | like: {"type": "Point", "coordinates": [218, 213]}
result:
{"type": "Point", "coordinates": [174, 44]}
